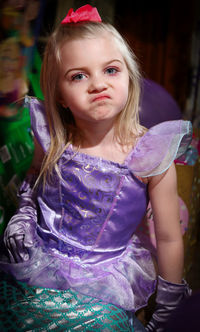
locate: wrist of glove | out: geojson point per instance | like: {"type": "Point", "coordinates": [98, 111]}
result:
{"type": "Point", "coordinates": [20, 233]}
{"type": "Point", "coordinates": [168, 297]}
{"type": "Point", "coordinates": [26, 193]}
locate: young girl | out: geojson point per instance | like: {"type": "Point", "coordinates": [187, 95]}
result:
{"type": "Point", "coordinates": [73, 249]}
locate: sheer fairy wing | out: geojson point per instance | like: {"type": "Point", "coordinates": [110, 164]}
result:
{"type": "Point", "coordinates": [159, 147]}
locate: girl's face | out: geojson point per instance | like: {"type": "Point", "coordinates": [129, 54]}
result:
{"type": "Point", "coordinates": [93, 79]}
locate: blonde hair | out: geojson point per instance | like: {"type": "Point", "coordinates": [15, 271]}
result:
{"type": "Point", "coordinates": [61, 124]}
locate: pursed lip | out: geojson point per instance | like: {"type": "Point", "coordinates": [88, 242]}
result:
{"type": "Point", "coordinates": [100, 97]}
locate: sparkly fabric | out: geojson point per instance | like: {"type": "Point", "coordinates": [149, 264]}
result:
{"type": "Point", "coordinates": [85, 223]}
{"type": "Point", "coordinates": [25, 308]}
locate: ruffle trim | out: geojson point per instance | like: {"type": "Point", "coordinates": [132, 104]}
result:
{"type": "Point", "coordinates": [38, 121]}
{"type": "Point", "coordinates": [156, 150]}
{"type": "Point", "coordinates": [126, 281]}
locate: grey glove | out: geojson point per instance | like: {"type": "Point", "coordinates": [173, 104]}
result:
{"type": "Point", "coordinates": [20, 233]}
{"type": "Point", "coordinates": [168, 297]}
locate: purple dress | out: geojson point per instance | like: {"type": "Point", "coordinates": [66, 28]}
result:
{"type": "Point", "coordinates": [86, 222]}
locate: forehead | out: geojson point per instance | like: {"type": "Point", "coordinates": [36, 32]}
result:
{"type": "Point", "coordinates": [101, 46]}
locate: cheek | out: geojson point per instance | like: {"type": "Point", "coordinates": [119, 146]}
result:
{"type": "Point", "coordinates": [64, 95]}
{"type": "Point", "coordinates": [73, 101]}
{"type": "Point", "coordinates": [123, 91]}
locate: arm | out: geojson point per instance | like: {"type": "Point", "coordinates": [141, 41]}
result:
{"type": "Point", "coordinates": [20, 234]}
{"type": "Point", "coordinates": [171, 288]}
{"type": "Point", "coordinates": [164, 201]}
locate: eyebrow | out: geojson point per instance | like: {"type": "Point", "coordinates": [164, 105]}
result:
{"type": "Point", "coordinates": [85, 68]}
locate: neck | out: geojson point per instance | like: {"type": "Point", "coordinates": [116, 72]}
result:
{"type": "Point", "coordinates": [100, 134]}
{"type": "Point", "coordinates": [99, 140]}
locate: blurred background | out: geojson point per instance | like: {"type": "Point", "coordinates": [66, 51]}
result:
{"type": "Point", "coordinates": [165, 36]}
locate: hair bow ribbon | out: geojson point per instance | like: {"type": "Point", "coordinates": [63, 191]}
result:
{"type": "Point", "coordinates": [84, 13]}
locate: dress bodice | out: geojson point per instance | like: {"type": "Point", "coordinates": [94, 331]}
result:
{"type": "Point", "coordinates": [94, 209]}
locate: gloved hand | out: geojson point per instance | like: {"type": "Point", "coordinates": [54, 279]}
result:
{"type": "Point", "coordinates": [168, 297]}
{"type": "Point", "coordinates": [20, 234]}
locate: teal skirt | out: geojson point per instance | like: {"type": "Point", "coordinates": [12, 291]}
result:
{"type": "Point", "coordinates": [25, 308]}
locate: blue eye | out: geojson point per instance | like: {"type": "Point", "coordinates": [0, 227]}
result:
{"type": "Point", "coordinates": [111, 71]}
{"type": "Point", "coordinates": [78, 77]}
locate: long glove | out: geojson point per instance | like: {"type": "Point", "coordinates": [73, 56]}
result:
{"type": "Point", "coordinates": [20, 234]}
{"type": "Point", "coordinates": [168, 297]}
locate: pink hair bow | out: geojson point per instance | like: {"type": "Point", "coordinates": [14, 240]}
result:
{"type": "Point", "coordinates": [84, 13]}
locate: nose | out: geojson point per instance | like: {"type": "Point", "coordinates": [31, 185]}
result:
{"type": "Point", "coordinates": [97, 83]}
